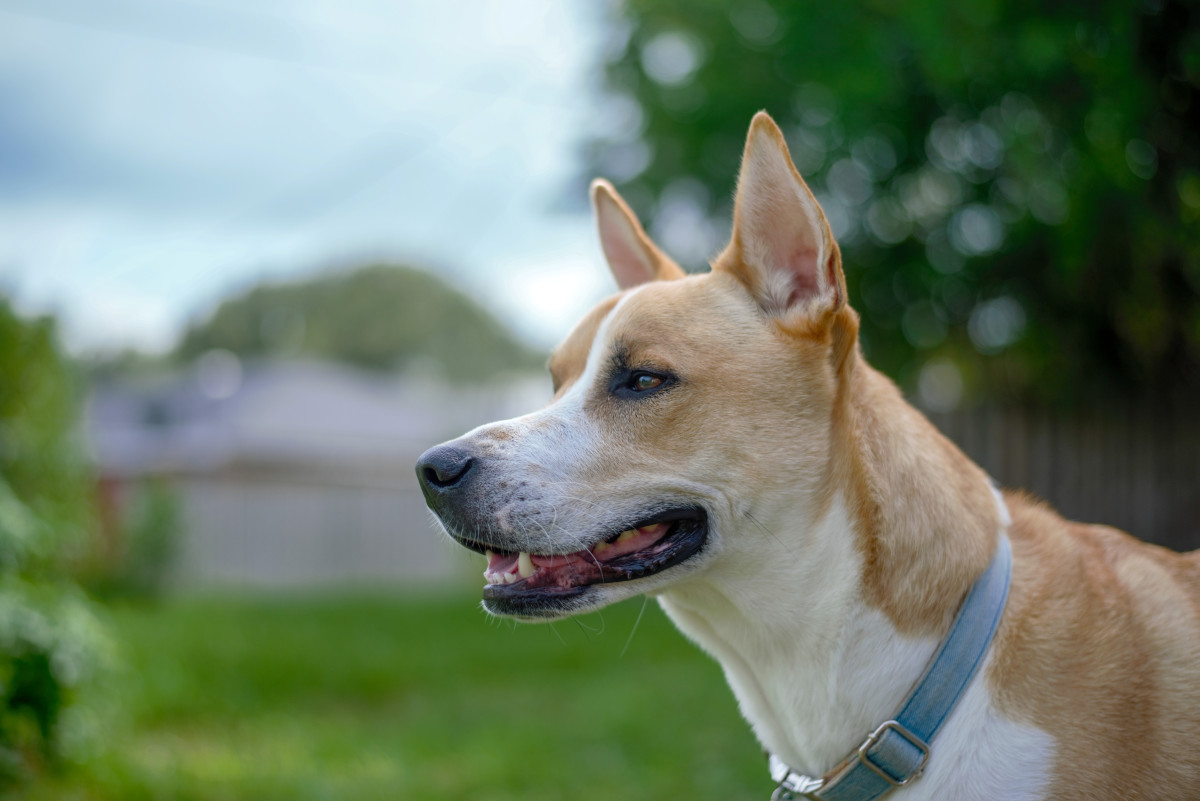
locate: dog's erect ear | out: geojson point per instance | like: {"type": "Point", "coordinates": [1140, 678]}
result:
{"type": "Point", "coordinates": [631, 256]}
{"type": "Point", "coordinates": [782, 248]}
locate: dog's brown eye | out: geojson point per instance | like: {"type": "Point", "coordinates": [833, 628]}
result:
{"type": "Point", "coordinates": [645, 381]}
{"type": "Point", "coordinates": [638, 383]}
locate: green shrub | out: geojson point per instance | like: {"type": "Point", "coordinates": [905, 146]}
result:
{"type": "Point", "coordinates": [49, 639]}
{"type": "Point", "coordinates": [137, 563]}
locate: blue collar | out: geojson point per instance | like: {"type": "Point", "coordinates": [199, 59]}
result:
{"type": "Point", "coordinates": [896, 752]}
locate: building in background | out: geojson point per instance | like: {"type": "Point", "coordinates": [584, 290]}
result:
{"type": "Point", "coordinates": [291, 472]}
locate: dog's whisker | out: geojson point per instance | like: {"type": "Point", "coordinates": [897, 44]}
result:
{"type": "Point", "coordinates": [763, 528]}
{"type": "Point", "coordinates": [587, 632]}
{"type": "Point", "coordinates": [633, 630]}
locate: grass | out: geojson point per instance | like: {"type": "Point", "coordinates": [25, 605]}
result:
{"type": "Point", "coordinates": [385, 697]}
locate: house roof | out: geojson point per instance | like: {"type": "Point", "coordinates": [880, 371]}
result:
{"type": "Point", "coordinates": [284, 414]}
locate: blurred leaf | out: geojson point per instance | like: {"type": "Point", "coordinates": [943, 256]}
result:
{"type": "Point", "coordinates": [966, 153]}
{"type": "Point", "coordinates": [49, 640]}
{"type": "Point", "coordinates": [20, 531]}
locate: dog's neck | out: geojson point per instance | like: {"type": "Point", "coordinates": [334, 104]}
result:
{"type": "Point", "coordinates": [824, 631]}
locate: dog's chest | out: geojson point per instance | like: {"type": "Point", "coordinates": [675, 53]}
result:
{"type": "Point", "coordinates": [813, 708]}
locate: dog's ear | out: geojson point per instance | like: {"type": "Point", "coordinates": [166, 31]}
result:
{"type": "Point", "coordinates": [632, 257]}
{"type": "Point", "coordinates": [782, 248]}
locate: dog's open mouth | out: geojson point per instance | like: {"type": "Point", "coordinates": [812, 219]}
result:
{"type": "Point", "coordinates": [523, 583]}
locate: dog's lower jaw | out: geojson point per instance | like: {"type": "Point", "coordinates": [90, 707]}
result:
{"type": "Point", "coordinates": [574, 603]}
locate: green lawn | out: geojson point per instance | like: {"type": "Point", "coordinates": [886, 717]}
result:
{"type": "Point", "coordinates": [385, 697]}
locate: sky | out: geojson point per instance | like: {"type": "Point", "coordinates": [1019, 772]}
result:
{"type": "Point", "coordinates": [157, 156]}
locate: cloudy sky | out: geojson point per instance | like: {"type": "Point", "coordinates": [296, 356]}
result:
{"type": "Point", "coordinates": [156, 155]}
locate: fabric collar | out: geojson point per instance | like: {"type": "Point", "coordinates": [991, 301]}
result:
{"type": "Point", "coordinates": [897, 751]}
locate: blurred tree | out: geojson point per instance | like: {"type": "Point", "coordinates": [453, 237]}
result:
{"type": "Point", "coordinates": [49, 640]}
{"type": "Point", "coordinates": [1016, 186]}
{"type": "Point", "coordinates": [383, 317]}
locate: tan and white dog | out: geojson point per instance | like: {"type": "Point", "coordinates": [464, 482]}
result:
{"type": "Point", "coordinates": [717, 441]}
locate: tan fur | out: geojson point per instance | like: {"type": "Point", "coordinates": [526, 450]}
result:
{"type": "Point", "coordinates": [1100, 646]}
{"type": "Point", "coordinates": [926, 521]}
{"type": "Point", "coordinates": [719, 374]}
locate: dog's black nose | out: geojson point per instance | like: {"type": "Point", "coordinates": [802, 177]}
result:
{"type": "Point", "coordinates": [442, 468]}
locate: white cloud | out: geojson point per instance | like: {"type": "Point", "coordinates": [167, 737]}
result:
{"type": "Point", "coordinates": [159, 154]}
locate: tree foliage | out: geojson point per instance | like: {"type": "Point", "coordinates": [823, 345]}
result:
{"type": "Point", "coordinates": [49, 639]}
{"type": "Point", "coordinates": [1016, 186]}
{"type": "Point", "coordinates": [381, 317]}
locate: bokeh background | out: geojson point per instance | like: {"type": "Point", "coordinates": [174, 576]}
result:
{"type": "Point", "coordinates": [255, 257]}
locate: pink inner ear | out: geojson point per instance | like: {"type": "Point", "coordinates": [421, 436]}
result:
{"type": "Point", "coordinates": [625, 258]}
{"type": "Point", "coordinates": [802, 264]}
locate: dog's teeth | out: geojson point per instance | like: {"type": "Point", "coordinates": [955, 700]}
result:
{"type": "Point", "coordinates": [525, 565]}
{"type": "Point", "coordinates": [601, 547]}
{"type": "Point", "coordinates": [627, 535]}
{"type": "Point", "coordinates": [509, 578]}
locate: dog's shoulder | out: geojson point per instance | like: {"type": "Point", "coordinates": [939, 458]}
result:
{"type": "Point", "coordinates": [1099, 647]}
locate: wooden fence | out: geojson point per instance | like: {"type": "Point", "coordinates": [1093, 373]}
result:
{"type": "Point", "coordinates": [1137, 469]}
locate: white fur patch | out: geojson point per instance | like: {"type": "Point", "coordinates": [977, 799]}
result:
{"type": "Point", "coordinates": [800, 649]}
{"type": "Point", "coordinates": [1001, 506]}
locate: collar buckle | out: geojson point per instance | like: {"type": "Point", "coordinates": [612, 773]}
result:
{"type": "Point", "coordinates": [864, 753]}
{"type": "Point", "coordinates": [797, 786]}
{"type": "Point", "coordinates": [791, 785]}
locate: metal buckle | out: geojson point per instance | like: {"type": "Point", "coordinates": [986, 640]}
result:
{"type": "Point", "coordinates": [792, 785]}
{"type": "Point", "coordinates": [797, 785]}
{"type": "Point", "coordinates": [913, 739]}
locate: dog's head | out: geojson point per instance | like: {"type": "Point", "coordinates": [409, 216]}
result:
{"type": "Point", "coordinates": [691, 414]}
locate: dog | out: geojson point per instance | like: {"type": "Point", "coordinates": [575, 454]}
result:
{"type": "Point", "coordinates": [717, 441]}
